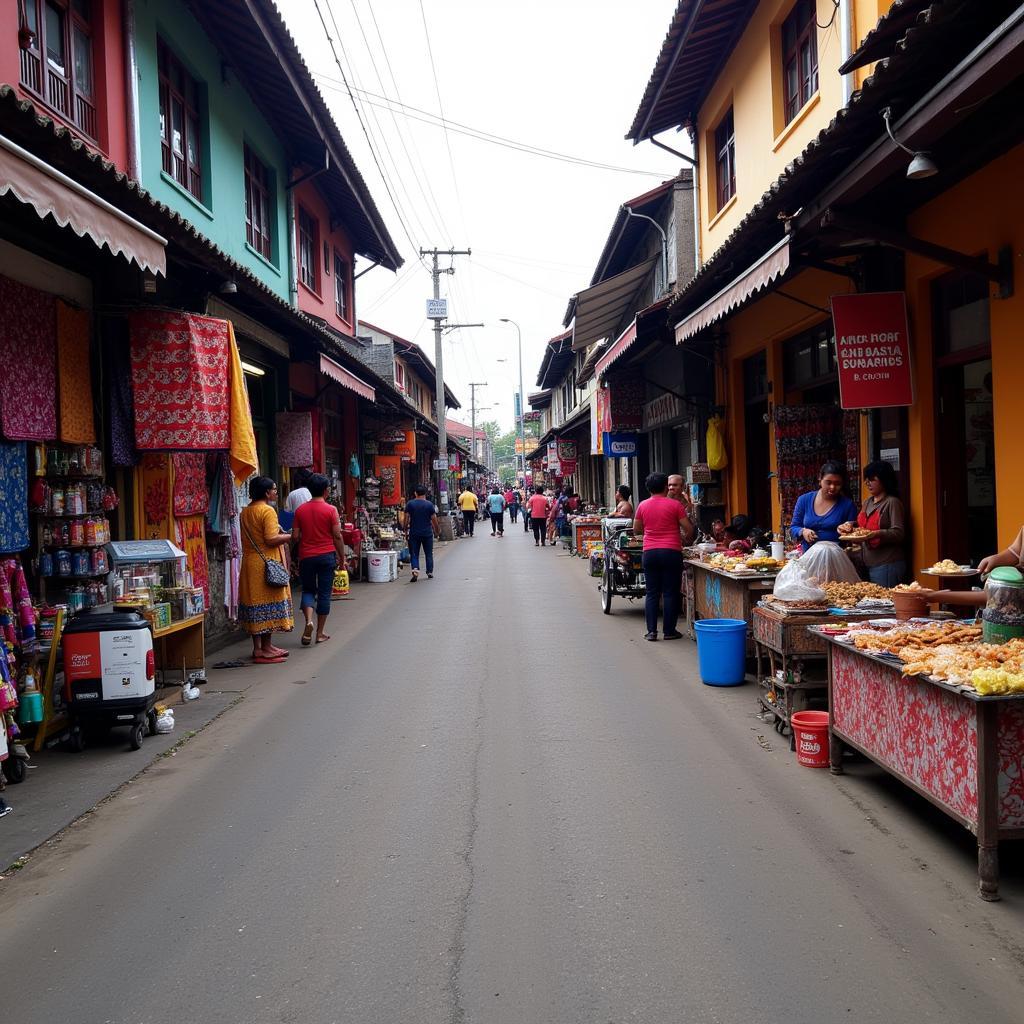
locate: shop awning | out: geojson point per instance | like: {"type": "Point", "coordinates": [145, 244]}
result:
{"type": "Point", "coordinates": [51, 193]}
{"type": "Point", "coordinates": [772, 265]}
{"type": "Point", "coordinates": [600, 309]}
{"type": "Point", "coordinates": [338, 373]}
{"type": "Point", "coordinates": [629, 335]}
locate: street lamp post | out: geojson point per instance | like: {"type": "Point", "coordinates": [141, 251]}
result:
{"type": "Point", "coordinates": [522, 396]}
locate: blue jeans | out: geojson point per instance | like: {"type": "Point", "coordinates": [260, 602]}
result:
{"type": "Point", "coordinates": [888, 575]}
{"type": "Point", "coordinates": [663, 570]}
{"type": "Point", "coordinates": [317, 575]}
{"type": "Point", "coordinates": [426, 541]}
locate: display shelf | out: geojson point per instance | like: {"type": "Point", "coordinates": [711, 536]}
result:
{"type": "Point", "coordinates": [74, 547]}
{"type": "Point", "coordinates": [76, 478]}
{"type": "Point", "coordinates": [77, 575]}
{"type": "Point", "coordinates": [67, 515]}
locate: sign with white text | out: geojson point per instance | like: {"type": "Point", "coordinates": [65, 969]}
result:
{"type": "Point", "coordinates": [437, 309]}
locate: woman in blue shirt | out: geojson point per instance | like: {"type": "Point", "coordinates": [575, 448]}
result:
{"type": "Point", "coordinates": [818, 514]}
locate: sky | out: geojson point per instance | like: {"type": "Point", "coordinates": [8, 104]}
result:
{"type": "Point", "coordinates": [564, 76]}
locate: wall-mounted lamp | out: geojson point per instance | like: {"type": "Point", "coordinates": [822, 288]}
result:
{"type": "Point", "coordinates": [921, 164]}
{"type": "Point", "coordinates": [228, 287]}
{"type": "Point", "coordinates": [253, 371]}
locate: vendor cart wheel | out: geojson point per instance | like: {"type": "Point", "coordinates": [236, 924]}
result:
{"type": "Point", "coordinates": [15, 770]}
{"type": "Point", "coordinates": [607, 589]}
{"type": "Point", "coordinates": [136, 735]}
{"type": "Point", "coordinates": [76, 741]}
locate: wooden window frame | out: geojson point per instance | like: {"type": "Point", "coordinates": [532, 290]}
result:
{"type": "Point", "coordinates": [341, 288]}
{"type": "Point", "coordinates": [308, 249]}
{"type": "Point", "coordinates": [258, 189]}
{"type": "Point", "coordinates": [799, 58]}
{"type": "Point", "coordinates": [188, 173]}
{"type": "Point", "coordinates": [724, 137]}
{"type": "Point", "coordinates": [60, 90]}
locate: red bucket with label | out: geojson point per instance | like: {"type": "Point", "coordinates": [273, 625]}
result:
{"type": "Point", "coordinates": [810, 733]}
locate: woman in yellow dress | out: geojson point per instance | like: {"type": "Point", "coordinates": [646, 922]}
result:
{"type": "Point", "coordinates": [262, 609]}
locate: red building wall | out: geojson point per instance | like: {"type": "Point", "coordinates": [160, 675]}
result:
{"type": "Point", "coordinates": [321, 301]}
{"type": "Point", "coordinates": [108, 70]}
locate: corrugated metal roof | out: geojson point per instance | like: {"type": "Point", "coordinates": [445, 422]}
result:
{"type": "Point", "coordinates": [880, 40]}
{"type": "Point", "coordinates": [255, 42]}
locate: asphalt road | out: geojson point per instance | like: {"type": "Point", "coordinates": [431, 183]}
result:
{"type": "Point", "coordinates": [486, 802]}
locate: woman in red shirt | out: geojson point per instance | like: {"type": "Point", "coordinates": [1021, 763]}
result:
{"type": "Point", "coordinates": [317, 529]}
{"type": "Point", "coordinates": [537, 509]}
{"type": "Point", "coordinates": [663, 524]}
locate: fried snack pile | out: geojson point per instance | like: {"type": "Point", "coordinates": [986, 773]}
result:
{"type": "Point", "coordinates": [997, 681]}
{"type": "Point", "coordinates": [846, 595]}
{"type": "Point", "coordinates": [904, 638]}
{"type": "Point", "coordinates": [947, 565]}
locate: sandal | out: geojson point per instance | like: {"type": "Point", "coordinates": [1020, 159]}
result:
{"type": "Point", "coordinates": [277, 652]}
{"type": "Point", "coordinates": [307, 634]}
{"type": "Point", "coordinates": [263, 659]}
{"type": "Point", "coordinates": [322, 639]}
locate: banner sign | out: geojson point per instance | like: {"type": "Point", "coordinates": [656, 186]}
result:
{"type": "Point", "coordinates": [552, 460]}
{"type": "Point", "coordinates": [619, 446]}
{"type": "Point", "coordinates": [406, 447]}
{"type": "Point", "coordinates": [595, 430]}
{"type": "Point", "coordinates": [568, 452]}
{"type": "Point", "coordinates": [532, 417]}
{"type": "Point", "coordinates": [437, 309]}
{"type": "Point", "coordinates": [872, 350]}
{"type": "Point", "coordinates": [662, 410]}
{"type": "Point", "coordinates": [625, 403]}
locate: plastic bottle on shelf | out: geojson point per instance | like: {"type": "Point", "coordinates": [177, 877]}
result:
{"type": "Point", "coordinates": [57, 501]}
{"type": "Point", "coordinates": [62, 561]}
{"type": "Point", "coordinates": [77, 533]}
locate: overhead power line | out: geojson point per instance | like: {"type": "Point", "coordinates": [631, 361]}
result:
{"type": "Point", "coordinates": [418, 114]}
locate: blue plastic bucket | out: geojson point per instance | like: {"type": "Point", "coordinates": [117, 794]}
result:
{"type": "Point", "coordinates": [722, 651]}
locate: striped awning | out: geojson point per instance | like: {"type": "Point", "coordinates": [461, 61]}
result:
{"type": "Point", "coordinates": [338, 373]}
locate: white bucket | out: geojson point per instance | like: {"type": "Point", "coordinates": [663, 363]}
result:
{"type": "Point", "coordinates": [393, 558]}
{"type": "Point", "coordinates": [378, 566]}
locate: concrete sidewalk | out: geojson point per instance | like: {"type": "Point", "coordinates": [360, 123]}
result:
{"type": "Point", "coordinates": [62, 786]}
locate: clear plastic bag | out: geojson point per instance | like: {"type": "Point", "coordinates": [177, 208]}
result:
{"type": "Point", "coordinates": [793, 584]}
{"type": "Point", "coordinates": [827, 562]}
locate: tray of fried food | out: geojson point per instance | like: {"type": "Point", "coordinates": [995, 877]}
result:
{"type": "Point", "coordinates": [988, 668]}
{"type": "Point", "coordinates": [908, 639]}
{"type": "Point", "coordinates": [947, 567]}
{"type": "Point", "coordinates": [790, 607]}
{"type": "Point", "coordinates": [847, 595]}
{"type": "Point", "coordinates": [855, 536]}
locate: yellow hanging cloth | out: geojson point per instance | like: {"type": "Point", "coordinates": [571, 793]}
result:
{"type": "Point", "coordinates": [74, 377]}
{"type": "Point", "coordinates": [244, 461]}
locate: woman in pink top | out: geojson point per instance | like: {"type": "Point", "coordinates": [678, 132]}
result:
{"type": "Point", "coordinates": [663, 524]}
{"type": "Point", "coordinates": [537, 510]}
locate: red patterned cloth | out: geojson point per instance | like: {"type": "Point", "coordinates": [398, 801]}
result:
{"type": "Point", "coordinates": [28, 346]}
{"type": "Point", "coordinates": [180, 381]}
{"type": "Point", "coordinates": [190, 494]}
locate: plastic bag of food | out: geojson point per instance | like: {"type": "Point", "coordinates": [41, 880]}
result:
{"type": "Point", "coordinates": [793, 584]}
{"type": "Point", "coordinates": [827, 562]}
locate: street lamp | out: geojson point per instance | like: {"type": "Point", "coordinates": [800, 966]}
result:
{"type": "Point", "coordinates": [522, 394]}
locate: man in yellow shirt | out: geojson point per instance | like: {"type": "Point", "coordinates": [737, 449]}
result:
{"type": "Point", "coordinates": [469, 504]}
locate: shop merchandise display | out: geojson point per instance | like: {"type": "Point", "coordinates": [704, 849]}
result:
{"type": "Point", "coordinates": [805, 437]}
{"type": "Point", "coordinates": [947, 567]}
{"type": "Point", "coordinates": [850, 595]}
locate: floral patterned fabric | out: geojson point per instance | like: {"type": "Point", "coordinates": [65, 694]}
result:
{"type": "Point", "coordinates": [180, 381]}
{"type": "Point", "coordinates": [13, 497]}
{"type": "Point", "coordinates": [190, 536]}
{"type": "Point", "coordinates": [17, 618]}
{"type": "Point", "coordinates": [153, 518]}
{"type": "Point", "coordinates": [28, 383]}
{"type": "Point", "coordinates": [190, 495]}
{"type": "Point", "coordinates": [294, 439]}
{"type": "Point", "coordinates": [74, 375]}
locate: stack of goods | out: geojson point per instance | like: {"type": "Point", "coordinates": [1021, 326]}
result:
{"type": "Point", "coordinates": [805, 437]}
{"type": "Point", "coordinates": [857, 595]}
{"type": "Point", "coordinates": [805, 606]}
{"type": "Point", "coordinates": [743, 564]}
{"type": "Point", "coordinates": [951, 652]}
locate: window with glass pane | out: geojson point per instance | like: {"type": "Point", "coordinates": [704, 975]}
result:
{"type": "Point", "coordinates": [180, 139]}
{"type": "Point", "coordinates": [58, 64]}
{"type": "Point", "coordinates": [340, 286]}
{"type": "Point", "coordinates": [725, 159]}
{"type": "Point", "coordinates": [799, 57]}
{"type": "Point", "coordinates": [309, 271]}
{"type": "Point", "coordinates": [257, 204]}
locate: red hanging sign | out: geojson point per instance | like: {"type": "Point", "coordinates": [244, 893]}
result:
{"type": "Point", "coordinates": [872, 350]}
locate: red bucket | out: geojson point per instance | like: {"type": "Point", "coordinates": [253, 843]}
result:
{"type": "Point", "coordinates": [810, 732]}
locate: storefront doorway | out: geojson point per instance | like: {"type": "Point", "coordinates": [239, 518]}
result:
{"type": "Point", "coordinates": [757, 439]}
{"type": "Point", "coordinates": [965, 435]}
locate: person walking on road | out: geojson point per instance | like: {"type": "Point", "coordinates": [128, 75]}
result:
{"type": "Point", "coordinates": [537, 513]}
{"type": "Point", "coordinates": [421, 528]}
{"type": "Point", "coordinates": [513, 505]}
{"type": "Point", "coordinates": [663, 524]}
{"type": "Point", "coordinates": [496, 507]}
{"type": "Point", "coordinates": [317, 531]}
{"type": "Point", "coordinates": [469, 504]}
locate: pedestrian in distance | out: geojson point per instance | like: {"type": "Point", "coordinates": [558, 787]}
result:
{"type": "Point", "coordinates": [514, 505]}
{"type": "Point", "coordinates": [317, 531]}
{"type": "Point", "coordinates": [510, 497]}
{"type": "Point", "coordinates": [263, 608]}
{"type": "Point", "coordinates": [664, 526]}
{"type": "Point", "coordinates": [300, 493]}
{"type": "Point", "coordinates": [496, 507]}
{"type": "Point", "coordinates": [554, 511]}
{"type": "Point", "coordinates": [537, 513]}
{"type": "Point", "coordinates": [421, 529]}
{"type": "Point", "coordinates": [468, 503]}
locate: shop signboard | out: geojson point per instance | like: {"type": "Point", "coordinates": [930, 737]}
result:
{"type": "Point", "coordinates": [406, 446]}
{"type": "Point", "coordinates": [440, 463]}
{"type": "Point", "coordinates": [664, 409]}
{"type": "Point", "coordinates": [552, 459]}
{"type": "Point", "coordinates": [396, 432]}
{"type": "Point", "coordinates": [568, 452]}
{"type": "Point", "coordinates": [437, 309]}
{"type": "Point", "coordinates": [872, 350]}
{"type": "Point", "coordinates": [625, 398]}
{"type": "Point", "coordinates": [619, 446]}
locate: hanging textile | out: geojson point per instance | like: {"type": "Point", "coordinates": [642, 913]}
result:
{"type": "Point", "coordinates": [389, 469]}
{"type": "Point", "coordinates": [294, 439]}
{"type": "Point", "coordinates": [74, 376]}
{"type": "Point", "coordinates": [805, 437]}
{"type": "Point", "coordinates": [122, 407]}
{"type": "Point", "coordinates": [28, 383]}
{"type": "Point", "coordinates": [17, 618]}
{"type": "Point", "coordinates": [13, 497]}
{"type": "Point", "coordinates": [190, 536]}
{"type": "Point", "coordinates": [190, 494]}
{"type": "Point", "coordinates": [153, 489]}
{"type": "Point", "coordinates": [180, 370]}
{"type": "Point", "coordinates": [244, 461]}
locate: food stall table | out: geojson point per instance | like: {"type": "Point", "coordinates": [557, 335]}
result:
{"type": "Point", "coordinates": [583, 530]}
{"type": "Point", "coordinates": [783, 641]}
{"type": "Point", "coordinates": [181, 646]}
{"type": "Point", "coordinates": [962, 751]}
{"type": "Point", "coordinates": [720, 594]}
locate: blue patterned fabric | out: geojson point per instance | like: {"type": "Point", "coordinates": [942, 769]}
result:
{"type": "Point", "coordinates": [13, 498]}
{"type": "Point", "coordinates": [257, 614]}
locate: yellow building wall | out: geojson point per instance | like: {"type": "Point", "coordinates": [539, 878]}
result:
{"type": "Point", "coordinates": [979, 216]}
{"type": "Point", "coordinates": [751, 82]}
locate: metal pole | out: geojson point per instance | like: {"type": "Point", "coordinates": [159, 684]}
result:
{"type": "Point", "coordinates": [521, 461]}
{"type": "Point", "coordinates": [473, 447]}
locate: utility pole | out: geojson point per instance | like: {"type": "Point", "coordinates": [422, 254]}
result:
{"type": "Point", "coordinates": [473, 385]}
{"type": "Point", "coordinates": [522, 400]}
{"type": "Point", "coordinates": [436, 313]}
